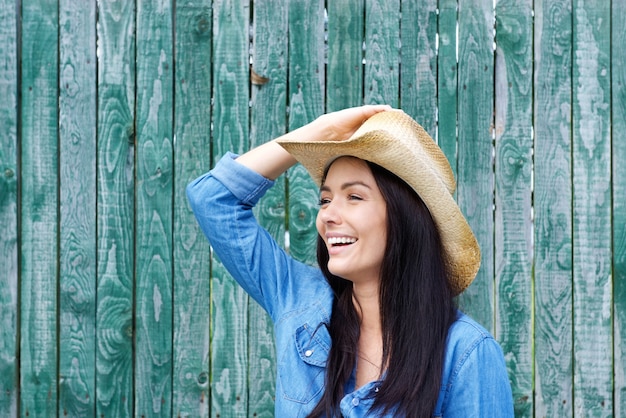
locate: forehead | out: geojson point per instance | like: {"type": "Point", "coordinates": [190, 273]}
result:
{"type": "Point", "coordinates": [345, 170]}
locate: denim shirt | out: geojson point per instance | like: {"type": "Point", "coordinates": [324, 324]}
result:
{"type": "Point", "coordinates": [299, 301]}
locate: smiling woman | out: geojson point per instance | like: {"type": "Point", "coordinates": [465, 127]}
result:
{"type": "Point", "coordinates": [374, 330]}
{"type": "Point", "coordinates": [352, 220]}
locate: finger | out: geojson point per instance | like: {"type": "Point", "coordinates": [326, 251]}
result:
{"type": "Point", "coordinates": [370, 110]}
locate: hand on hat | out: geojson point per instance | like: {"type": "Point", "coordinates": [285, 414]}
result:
{"type": "Point", "coordinates": [340, 125]}
{"type": "Point", "coordinates": [270, 159]}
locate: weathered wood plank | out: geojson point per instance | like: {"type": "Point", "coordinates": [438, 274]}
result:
{"type": "Point", "coordinates": [154, 211]}
{"type": "Point", "coordinates": [553, 213]}
{"type": "Point", "coordinates": [8, 209]}
{"type": "Point", "coordinates": [268, 108]}
{"type": "Point", "coordinates": [565, 208]}
{"type": "Point", "coordinates": [475, 191]}
{"type": "Point", "coordinates": [418, 72]}
{"type": "Point", "coordinates": [513, 219]}
{"type": "Point", "coordinates": [39, 203]}
{"type": "Point", "coordinates": [192, 157]}
{"type": "Point", "coordinates": [618, 126]}
{"type": "Point", "coordinates": [591, 156]}
{"type": "Point", "coordinates": [447, 94]}
{"type": "Point", "coordinates": [345, 54]}
{"type": "Point", "coordinates": [382, 52]}
{"type": "Point", "coordinates": [229, 351]}
{"type": "Point", "coordinates": [116, 209]}
{"type": "Point", "coordinates": [77, 264]}
{"type": "Point", "coordinates": [306, 102]}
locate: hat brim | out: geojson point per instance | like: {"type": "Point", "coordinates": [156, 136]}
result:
{"type": "Point", "coordinates": [414, 166]}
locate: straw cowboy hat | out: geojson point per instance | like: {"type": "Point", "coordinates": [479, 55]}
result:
{"type": "Point", "coordinates": [393, 140]}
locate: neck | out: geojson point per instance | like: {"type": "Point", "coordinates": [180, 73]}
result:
{"type": "Point", "coordinates": [370, 346]}
{"type": "Point", "coordinates": [367, 305]}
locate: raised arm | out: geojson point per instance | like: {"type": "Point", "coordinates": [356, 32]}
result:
{"type": "Point", "coordinates": [271, 160]}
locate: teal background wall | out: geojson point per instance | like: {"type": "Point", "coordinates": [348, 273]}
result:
{"type": "Point", "coordinates": [110, 302]}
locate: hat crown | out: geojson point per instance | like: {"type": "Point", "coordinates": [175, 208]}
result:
{"type": "Point", "coordinates": [400, 127]}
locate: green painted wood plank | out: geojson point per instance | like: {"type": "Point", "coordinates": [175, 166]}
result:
{"type": "Point", "coordinates": [618, 126]}
{"type": "Point", "coordinates": [513, 218]}
{"type": "Point", "coordinates": [553, 213]}
{"type": "Point", "coordinates": [447, 94]}
{"type": "Point", "coordinates": [418, 72]}
{"type": "Point", "coordinates": [382, 52]}
{"type": "Point", "coordinates": [77, 263]}
{"type": "Point", "coordinates": [192, 155]}
{"type": "Point", "coordinates": [475, 150]}
{"type": "Point", "coordinates": [39, 200]}
{"type": "Point", "coordinates": [591, 155]}
{"type": "Point", "coordinates": [229, 303]}
{"type": "Point", "coordinates": [345, 54]}
{"type": "Point", "coordinates": [154, 210]}
{"type": "Point", "coordinates": [306, 102]}
{"type": "Point", "coordinates": [268, 108]}
{"type": "Point", "coordinates": [116, 209]}
{"type": "Point", "coordinates": [231, 75]}
{"type": "Point", "coordinates": [8, 209]}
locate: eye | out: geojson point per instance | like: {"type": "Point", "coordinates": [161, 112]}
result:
{"type": "Point", "coordinates": [354, 197]}
{"type": "Point", "coordinates": [323, 201]}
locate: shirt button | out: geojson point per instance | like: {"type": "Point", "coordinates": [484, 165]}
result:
{"type": "Point", "coordinates": [308, 353]}
{"type": "Point", "coordinates": [355, 401]}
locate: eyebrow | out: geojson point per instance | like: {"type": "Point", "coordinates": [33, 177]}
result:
{"type": "Point", "coordinates": [344, 186]}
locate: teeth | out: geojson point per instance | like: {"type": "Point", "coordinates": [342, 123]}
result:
{"type": "Point", "coordinates": [341, 240]}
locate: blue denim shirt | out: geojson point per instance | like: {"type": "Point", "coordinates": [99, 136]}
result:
{"type": "Point", "coordinates": [299, 301]}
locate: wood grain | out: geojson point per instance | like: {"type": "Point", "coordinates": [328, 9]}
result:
{"type": "Point", "coordinates": [591, 157]}
{"type": "Point", "coordinates": [382, 52]}
{"type": "Point", "coordinates": [447, 92]}
{"type": "Point", "coordinates": [475, 192]}
{"type": "Point", "coordinates": [344, 70]}
{"type": "Point", "coordinates": [513, 216]}
{"type": "Point", "coordinates": [306, 102]}
{"type": "Point", "coordinates": [8, 210]}
{"type": "Point", "coordinates": [110, 303]}
{"type": "Point", "coordinates": [192, 157]}
{"type": "Point", "coordinates": [116, 210]}
{"type": "Point", "coordinates": [418, 72]}
{"type": "Point", "coordinates": [618, 126]}
{"type": "Point", "coordinates": [268, 107]}
{"type": "Point", "coordinates": [229, 323]}
{"type": "Point", "coordinates": [39, 272]}
{"type": "Point", "coordinates": [552, 209]}
{"type": "Point", "coordinates": [77, 154]}
{"type": "Point", "coordinates": [154, 210]}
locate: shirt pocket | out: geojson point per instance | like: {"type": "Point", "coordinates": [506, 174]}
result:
{"type": "Point", "coordinates": [302, 364]}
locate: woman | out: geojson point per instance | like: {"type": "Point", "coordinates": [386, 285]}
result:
{"type": "Point", "coordinates": [373, 331]}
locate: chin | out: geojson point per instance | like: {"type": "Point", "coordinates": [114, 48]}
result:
{"type": "Point", "coordinates": [336, 272]}
{"type": "Point", "coordinates": [340, 273]}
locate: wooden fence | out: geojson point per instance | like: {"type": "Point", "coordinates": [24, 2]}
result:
{"type": "Point", "coordinates": [110, 303]}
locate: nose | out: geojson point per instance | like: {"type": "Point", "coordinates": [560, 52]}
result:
{"type": "Point", "coordinates": [329, 214]}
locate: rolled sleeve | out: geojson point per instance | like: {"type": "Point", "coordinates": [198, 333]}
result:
{"type": "Point", "coordinates": [222, 202]}
{"type": "Point", "coordinates": [245, 184]}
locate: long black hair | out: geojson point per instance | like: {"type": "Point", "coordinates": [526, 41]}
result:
{"type": "Point", "coordinates": [416, 309]}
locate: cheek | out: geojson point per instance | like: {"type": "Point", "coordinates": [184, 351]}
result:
{"type": "Point", "coordinates": [382, 230]}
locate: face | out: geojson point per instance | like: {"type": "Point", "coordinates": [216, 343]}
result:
{"type": "Point", "coordinates": [352, 220]}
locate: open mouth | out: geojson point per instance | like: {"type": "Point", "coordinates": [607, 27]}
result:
{"type": "Point", "coordinates": [341, 241]}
